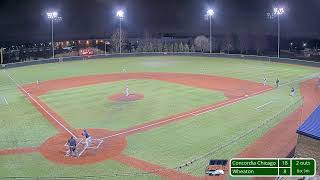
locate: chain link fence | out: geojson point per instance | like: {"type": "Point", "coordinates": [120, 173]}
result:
{"type": "Point", "coordinates": [217, 55]}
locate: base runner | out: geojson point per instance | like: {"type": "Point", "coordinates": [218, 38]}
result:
{"type": "Point", "coordinates": [88, 137]}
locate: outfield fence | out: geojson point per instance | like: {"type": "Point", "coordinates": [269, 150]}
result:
{"type": "Point", "coordinates": [217, 55]}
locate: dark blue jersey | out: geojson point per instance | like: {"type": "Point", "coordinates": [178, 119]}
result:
{"type": "Point", "coordinates": [72, 142]}
{"type": "Point", "coordinates": [85, 134]}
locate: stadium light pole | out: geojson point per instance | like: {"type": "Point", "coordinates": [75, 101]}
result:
{"type": "Point", "coordinates": [52, 16]}
{"type": "Point", "coordinates": [105, 48]}
{"type": "Point", "coordinates": [120, 15]}
{"type": "Point", "coordinates": [278, 11]}
{"type": "Point", "coordinates": [1, 54]}
{"type": "Point", "coordinates": [210, 13]}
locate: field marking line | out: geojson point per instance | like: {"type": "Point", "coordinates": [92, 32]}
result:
{"type": "Point", "coordinates": [84, 149]}
{"type": "Point", "coordinates": [19, 86]}
{"type": "Point", "coordinates": [263, 105]}
{"type": "Point", "coordinates": [101, 141]}
{"type": "Point", "coordinates": [5, 100]}
{"type": "Point", "coordinates": [240, 99]}
{"type": "Point", "coordinates": [226, 103]}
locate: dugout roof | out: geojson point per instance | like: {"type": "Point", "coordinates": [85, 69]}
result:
{"type": "Point", "coordinates": [311, 126]}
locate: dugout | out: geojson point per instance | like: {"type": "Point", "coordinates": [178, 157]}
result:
{"type": "Point", "coordinates": [308, 143]}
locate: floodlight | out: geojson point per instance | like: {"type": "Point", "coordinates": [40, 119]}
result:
{"type": "Point", "coordinates": [210, 12]}
{"type": "Point", "coordinates": [52, 15]}
{"type": "Point", "coordinates": [278, 10]}
{"type": "Point", "coordinates": [120, 13]}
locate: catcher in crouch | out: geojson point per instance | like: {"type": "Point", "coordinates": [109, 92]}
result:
{"type": "Point", "coordinates": [87, 136]}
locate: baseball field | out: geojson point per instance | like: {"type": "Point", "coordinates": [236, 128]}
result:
{"type": "Point", "coordinates": [180, 112]}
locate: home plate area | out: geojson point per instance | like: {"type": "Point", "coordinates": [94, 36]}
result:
{"type": "Point", "coordinates": [82, 148]}
{"type": "Point", "coordinates": [100, 149]}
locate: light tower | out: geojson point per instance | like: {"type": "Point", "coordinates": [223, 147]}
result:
{"type": "Point", "coordinates": [210, 13]}
{"type": "Point", "coordinates": [53, 16]}
{"type": "Point", "coordinates": [120, 15]}
{"type": "Point", "coordinates": [278, 11]}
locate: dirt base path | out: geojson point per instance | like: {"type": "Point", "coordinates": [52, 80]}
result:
{"type": "Point", "coordinates": [18, 151]}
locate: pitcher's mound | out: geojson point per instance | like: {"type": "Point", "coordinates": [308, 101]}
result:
{"type": "Point", "coordinates": [124, 98]}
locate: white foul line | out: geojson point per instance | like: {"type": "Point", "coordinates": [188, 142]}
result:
{"type": "Point", "coordinates": [39, 104]}
{"type": "Point", "coordinates": [5, 100]}
{"type": "Point", "coordinates": [84, 149]}
{"type": "Point", "coordinates": [190, 113]}
{"type": "Point", "coordinates": [263, 105]}
{"type": "Point", "coordinates": [235, 101]}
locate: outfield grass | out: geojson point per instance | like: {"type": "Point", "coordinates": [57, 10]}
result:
{"type": "Point", "coordinates": [88, 107]}
{"type": "Point", "coordinates": [34, 165]}
{"type": "Point", "coordinates": [241, 69]}
{"type": "Point", "coordinates": [21, 124]}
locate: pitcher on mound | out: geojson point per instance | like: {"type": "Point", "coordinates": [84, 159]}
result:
{"type": "Point", "coordinates": [126, 91]}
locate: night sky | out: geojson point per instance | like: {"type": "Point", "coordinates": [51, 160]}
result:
{"type": "Point", "coordinates": [26, 19]}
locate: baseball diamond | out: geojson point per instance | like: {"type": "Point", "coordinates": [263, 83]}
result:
{"type": "Point", "coordinates": [163, 117]}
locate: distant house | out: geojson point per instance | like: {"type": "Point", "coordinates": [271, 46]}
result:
{"type": "Point", "coordinates": [308, 144]}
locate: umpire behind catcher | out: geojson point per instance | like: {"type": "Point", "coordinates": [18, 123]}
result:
{"type": "Point", "coordinates": [72, 143]}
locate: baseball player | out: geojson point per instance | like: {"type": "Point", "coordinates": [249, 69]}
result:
{"type": "Point", "coordinates": [264, 81]}
{"type": "Point", "coordinates": [88, 137]}
{"type": "Point", "coordinates": [292, 92]}
{"type": "Point", "coordinates": [277, 82]}
{"type": "Point", "coordinates": [72, 143]}
{"type": "Point", "coordinates": [127, 91]}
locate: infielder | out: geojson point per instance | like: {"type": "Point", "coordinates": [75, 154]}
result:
{"type": "Point", "coordinates": [277, 82]}
{"type": "Point", "coordinates": [264, 81]}
{"type": "Point", "coordinates": [292, 92]}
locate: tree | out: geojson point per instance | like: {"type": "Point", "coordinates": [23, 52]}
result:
{"type": "Point", "coordinates": [214, 44]}
{"type": "Point", "coordinates": [244, 43]}
{"type": "Point", "coordinates": [165, 47]}
{"type": "Point", "coordinates": [201, 43]}
{"type": "Point", "coordinates": [186, 48]}
{"type": "Point", "coordinates": [227, 43]}
{"type": "Point", "coordinates": [260, 43]}
{"type": "Point", "coordinates": [181, 47]}
{"type": "Point", "coordinates": [171, 47]}
{"type": "Point", "coordinates": [115, 40]}
{"type": "Point", "coordinates": [176, 47]}
{"type": "Point", "coordinates": [192, 49]}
